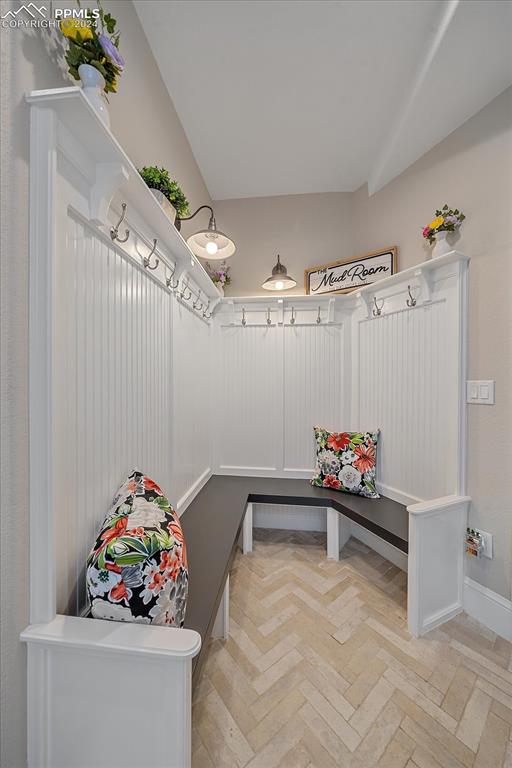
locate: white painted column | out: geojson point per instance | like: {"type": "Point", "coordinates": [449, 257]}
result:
{"type": "Point", "coordinates": [247, 530]}
{"type": "Point", "coordinates": [221, 626]}
{"type": "Point", "coordinates": [333, 534]}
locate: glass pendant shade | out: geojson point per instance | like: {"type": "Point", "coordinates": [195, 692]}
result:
{"type": "Point", "coordinates": [279, 280]}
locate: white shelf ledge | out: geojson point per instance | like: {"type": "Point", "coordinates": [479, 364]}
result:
{"type": "Point", "coordinates": [105, 155]}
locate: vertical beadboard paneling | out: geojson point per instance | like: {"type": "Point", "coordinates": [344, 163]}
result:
{"type": "Point", "coordinates": [192, 392]}
{"type": "Point", "coordinates": [407, 380]}
{"type": "Point", "coordinates": [250, 398]}
{"type": "Point", "coordinates": [113, 377]}
{"type": "Point", "coordinates": [313, 389]}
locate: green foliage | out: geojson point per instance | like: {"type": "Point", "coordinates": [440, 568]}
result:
{"type": "Point", "coordinates": [159, 178]}
{"type": "Point", "coordinates": [85, 47]}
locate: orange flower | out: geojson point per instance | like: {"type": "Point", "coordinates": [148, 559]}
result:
{"type": "Point", "coordinates": [366, 460]}
{"type": "Point", "coordinates": [338, 441]}
{"type": "Point", "coordinates": [119, 592]}
{"type": "Point", "coordinates": [149, 485]}
{"type": "Point", "coordinates": [331, 481]}
{"type": "Point", "coordinates": [119, 529]}
{"type": "Point", "coordinates": [175, 530]}
{"type": "Point", "coordinates": [158, 582]}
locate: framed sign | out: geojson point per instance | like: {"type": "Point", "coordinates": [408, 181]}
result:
{"type": "Point", "coordinates": [345, 276]}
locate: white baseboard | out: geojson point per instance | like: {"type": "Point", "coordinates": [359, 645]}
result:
{"type": "Point", "coordinates": [192, 492]}
{"type": "Point", "coordinates": [489, 608]}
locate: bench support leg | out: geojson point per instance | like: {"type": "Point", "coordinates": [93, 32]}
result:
{"type": "Point", "coordinates": [339, 532]}
{"type": "Point", "coordinates": [333, 535]}
{"type": "Point", "coordinates": [221, 626]}
{"type": "Point", "coordinates": [247, 530]}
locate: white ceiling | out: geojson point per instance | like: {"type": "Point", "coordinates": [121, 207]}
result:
{"type": "Point", "coordinates": [297, 96]}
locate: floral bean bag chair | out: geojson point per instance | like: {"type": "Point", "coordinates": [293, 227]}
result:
{"type": "Point", "coordinates": [137, 568]}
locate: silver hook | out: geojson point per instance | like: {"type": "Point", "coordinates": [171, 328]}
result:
{"type": "Point", "coordinates": [186, 288]}
{"type": "Point", "coordinates": [207, 314]}
{"type": "Point", "coordinates": [197, 303]}
{"type": "Point", "coordinates": [114, 231]}
{"type": "Point", "coordinates": [147, 259]}
{"type": "Point", "coordinates": [292, 318]}
{"type": "Point", "coordinates": [411, 301]}
{"type": "Point", "coordinates": [269, 321]}
{"type": "Point", "coordinates": [170, 283]}
{"type": "Point", "coordinates": [377, 312]}
{"type": "Point", "coordinates": [318, 318]}
{"type": "Point", "coordinates": [244, 321]}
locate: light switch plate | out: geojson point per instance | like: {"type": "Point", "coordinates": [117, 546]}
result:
{"type": "Point", "coordinates": [480, 392]}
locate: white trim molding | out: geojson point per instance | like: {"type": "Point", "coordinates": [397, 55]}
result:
{"type": "Point", "coordinates": [488, 607]}
{"type": "Point", "coordinates": [436, 564]}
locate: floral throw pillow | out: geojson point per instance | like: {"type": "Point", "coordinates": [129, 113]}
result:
{"type": "Point", "coordinates": [345, 461]}
{"type": "Point", "coordinates": [137, 569]}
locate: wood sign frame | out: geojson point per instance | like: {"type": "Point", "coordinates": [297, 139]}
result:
{"type": "Point", "coordinates": [365, 270]}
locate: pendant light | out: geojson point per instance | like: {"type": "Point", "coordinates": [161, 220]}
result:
{"type": "Point", "coordinates": [279, 280]}
{"type": "Point", "coordinates": [209, 243]}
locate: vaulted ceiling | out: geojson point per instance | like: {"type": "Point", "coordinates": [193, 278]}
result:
{"type": "Point", "coordinates": [297, 96]}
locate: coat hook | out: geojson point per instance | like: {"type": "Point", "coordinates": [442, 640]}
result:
{"type": "Point", "coordinates": [198, 304]}
{"type": "Point", "coordinates": [292, 318]}
{"type": "Point", "coordinates": [170, 283]}
{"type": "Point", "coordinates": [377, 312]}
{"type": "Point", "coordinates": [114, 231]}
{"type": "Point", "coordinates": [244, 321]}
{"type": "Point", "coordinates": [185, 288]}
{"type": "Point", "coordinates": [147, 259]}
{"type": "Point", "coordinates": [206, 313]}
{"type": "Point", "coordinates": [269, 321]}
{"type": "Point", "coordinates": [411, 301]}
{"type": "Point", "coordinates": [318, 318]}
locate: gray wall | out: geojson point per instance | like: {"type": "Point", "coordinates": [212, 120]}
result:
{"type": "Point", "coordinates": [145, 122]}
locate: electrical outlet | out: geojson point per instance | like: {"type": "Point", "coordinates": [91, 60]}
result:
{"type": "Point", "coordinates": [487, 542]}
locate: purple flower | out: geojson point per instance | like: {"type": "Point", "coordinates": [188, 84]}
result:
{"type": "Point", "coordinates": [110, 50]}
{"type": "Point", "coordinates": [452, 220]}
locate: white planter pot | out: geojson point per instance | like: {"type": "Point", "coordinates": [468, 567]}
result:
{"type": "Point", "coordinates": [93, 84]}
{"type": "Point", "coordinates": [168, 208]}
{"type": "Point", "coordinates": [441, 245]}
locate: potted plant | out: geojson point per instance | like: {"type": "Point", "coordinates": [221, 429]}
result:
{"type": "Point", "coordinates": [219, 275]}
{"type": "Point", "coordinates": [93, 57]}
{"type": "Point", "coordinates": [167, 191]}
{"type": "Point", "coordinates": [446, 220]}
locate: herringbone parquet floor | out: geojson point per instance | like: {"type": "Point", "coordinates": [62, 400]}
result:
{"type": "Point", "coordinates": [320, 671]}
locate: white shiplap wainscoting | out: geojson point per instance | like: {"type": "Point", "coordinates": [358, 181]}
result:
{"type": "Point", "coordinates": [119, 371]}
{"type": "Point", "coordinates": [276, 381]}
{"type": "Point", "coordinates": [401, 372]}
{"type": "Point", "coordinates": [128, 370]}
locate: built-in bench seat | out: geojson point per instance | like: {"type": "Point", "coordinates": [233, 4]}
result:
{"type": "Point", "coordinates": [213, 521]}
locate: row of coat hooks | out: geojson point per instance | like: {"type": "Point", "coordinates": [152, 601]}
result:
{"type": "Point", "coordinates": [269, 318]}
{"type": "Point", "coordinates": [377, 308]}
{"type": "Point", "coordinates": [185, 293]}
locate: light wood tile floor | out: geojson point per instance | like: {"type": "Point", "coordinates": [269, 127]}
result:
{"type": "Point", "coordinates": [320, 671]}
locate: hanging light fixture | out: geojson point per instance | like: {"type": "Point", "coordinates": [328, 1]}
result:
{"type": "Point", "coordinates": [209, 243]}
{"type": "Point", "coordinates": [279, 280]}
